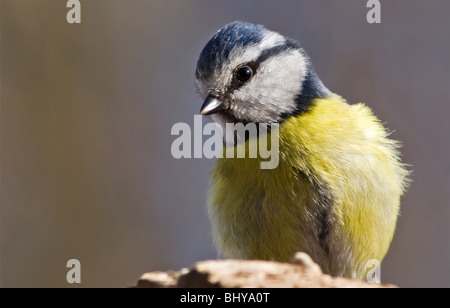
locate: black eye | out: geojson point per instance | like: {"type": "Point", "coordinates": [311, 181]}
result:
{"type": "Point", "coordinates": [244, 73]}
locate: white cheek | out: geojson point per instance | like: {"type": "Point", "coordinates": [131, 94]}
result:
{"type": "Point", "coordinates": [274, 88]}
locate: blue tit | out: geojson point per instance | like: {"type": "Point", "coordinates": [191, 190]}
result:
{"type": "Point", "coordinates": [336, 191]}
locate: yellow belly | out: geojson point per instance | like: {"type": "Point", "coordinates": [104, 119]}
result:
{"type": "Point", "coordinates": [335, 193]}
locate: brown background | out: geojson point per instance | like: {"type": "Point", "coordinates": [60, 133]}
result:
{"type": "Point", "coordinates": [86, 113]}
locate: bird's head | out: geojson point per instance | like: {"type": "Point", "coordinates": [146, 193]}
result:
{"type": "Point", "coordinates": [249, 74]}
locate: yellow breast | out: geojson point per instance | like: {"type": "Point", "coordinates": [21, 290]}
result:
{"type": "Point", "coordinates": [335, 193]}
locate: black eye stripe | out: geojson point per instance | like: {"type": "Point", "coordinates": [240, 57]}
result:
{"type": "Point", "coordinates": [272, 52]}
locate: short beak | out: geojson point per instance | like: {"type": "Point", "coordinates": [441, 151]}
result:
{"type": "Point", "coordinates": [211, 105]}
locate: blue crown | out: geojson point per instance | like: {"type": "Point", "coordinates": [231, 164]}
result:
{"type": "Point", "coordinates": [218, 49]}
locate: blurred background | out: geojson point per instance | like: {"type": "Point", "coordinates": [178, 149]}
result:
{"type": "Point", "coordinates": [87, 110]}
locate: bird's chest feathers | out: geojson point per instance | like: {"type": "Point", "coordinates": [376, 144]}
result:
{"type": "Point", "coordinates": [271, 213]}
{"type": "Point", "coordinates": [265, 210]}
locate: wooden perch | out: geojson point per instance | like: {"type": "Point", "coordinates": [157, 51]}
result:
{"type": "Point", "coordinates": [302, 272]}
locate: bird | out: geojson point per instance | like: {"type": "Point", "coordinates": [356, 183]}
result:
{"type": "Point", "coordinates": [335, 193]}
